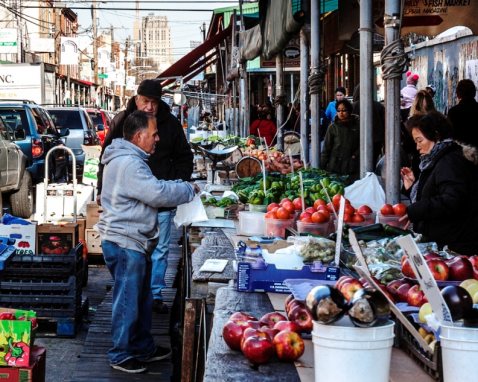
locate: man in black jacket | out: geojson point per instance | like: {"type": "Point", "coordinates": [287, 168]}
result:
{"type": "Point", "coordinates": [464, 115]}
{"type": "Point", "coordinates": [172, 159]}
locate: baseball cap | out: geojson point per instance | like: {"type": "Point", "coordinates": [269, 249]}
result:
{"type": "Point", "coordinates": [432, 87]}
{"type": "Point", "coordinates": [150, 88]}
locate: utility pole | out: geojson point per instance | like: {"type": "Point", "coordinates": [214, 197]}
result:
{"type": "Point", "coordinates": [244, 117]}
{"type": "Point", "coordinates": [315, 95]}
{"type": "Point", "coordinates": [95, 42]}
{"type": "Point", "coordinates": [125, 69]}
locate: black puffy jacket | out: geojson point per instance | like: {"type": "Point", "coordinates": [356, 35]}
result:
{"type": "Point", "coordinates": [446, 210]}
{"type": "Point", "coordinates": [172, 159]}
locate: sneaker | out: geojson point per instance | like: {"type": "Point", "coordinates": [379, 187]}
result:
{"type": "Point", "coordinates": [159, 354]}
{"type": "Point", "coordinates": [132, 366]}
{"type": "Point", "coordinates": [160, 307]}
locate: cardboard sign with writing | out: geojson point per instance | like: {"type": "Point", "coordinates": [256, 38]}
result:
{"type": "Point", "coordinates": [425, 279]}
{"type": "Point", "coordinates": [340, 224]}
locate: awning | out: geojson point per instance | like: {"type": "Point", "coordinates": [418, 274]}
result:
{"type": "Point", "coordinates": [196, 60]}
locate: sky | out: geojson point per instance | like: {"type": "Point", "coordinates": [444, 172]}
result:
{"type": "Point", "coordinates": [184, 17]}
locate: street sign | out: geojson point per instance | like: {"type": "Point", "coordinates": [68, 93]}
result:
{"type": "Point", "coordinates": [102, 75]}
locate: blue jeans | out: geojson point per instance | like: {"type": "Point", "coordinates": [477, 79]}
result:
{"type": "Point", "coordinates": [132, 303]}
{"type": "Point", "coordinates": [160, 254]}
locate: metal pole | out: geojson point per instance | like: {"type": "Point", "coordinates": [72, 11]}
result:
{"type": "Point", "coordinates": [314, 69]}
{"type": "Point", "coordinates": [366, 68]}
{"type": "Point", "coordinates": [279, 96]}
{"type": "Point", "coordinates": [392, 115]}
{"type": "Point", "coordinates": [304, 107]}
{"type": "Point", "coordinates": [244, 101]}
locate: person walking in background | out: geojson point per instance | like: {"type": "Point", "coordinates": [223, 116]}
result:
{"type": "Point", "coordinates": [408, 93]}
{"type": "Point", "coordinates": [340, 154]}
{"type": "Point", "coordinates": [444, 207]}
{"type": "Point", "coordinates": [431, 89]}
{"type": "Point", "coordinates": [264, 126]}
{"type": "Point", "coordinates": [172, 159]}
{"type": "Point", "coordinates": [129, 233]}
{"type": "Point", "coordinates": [422, 104]}
{"type": "Point", "coordinates": [331, 110]}
{"type": "Point", "coordinates": [464, 116]}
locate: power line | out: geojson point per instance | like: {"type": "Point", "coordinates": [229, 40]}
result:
{"type": "Point", "coordinates": [121, 9]}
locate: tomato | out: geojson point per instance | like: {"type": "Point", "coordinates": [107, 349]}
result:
{"type": "Point", "coordinates": [387, 209]}
{"type": "Point", "coordinates": [310, 210]}
{"type": "Point", "coordinates": [288, 206]}
{"type": "Point", "coordinates": [364, 209]}
{"type": "Point", "coordinates": [336, 199]}
{"type": "Point", "coordinates": [304, 215]}
{"type": "Point", "coordinates": [319, 202]}
{"type": "Point", "coordinates": [331, 207]}
{"type": "Point", "coordinates": [297, 202]}
{"type": "Point", "coordinates": [285, 200]}
{"type": "Point", "coordinates": [319, 217]}
{"type": "Point", "coordinates": [271, 206]}
{"type": "Point", "coordinates": [306, 220]}
{"type": "Point", "coordinates": [357, 218]}
{"type": "Point", "coordinates": [399, 209]}
{"type": "Point", "coordinates": [349, 209]}
{"type": "Point", "coordinates": [271, 215]}
{"type": "Point", "coordinates": [282, 213]}
{"type": "Point", "coordinates": [325, 212]}
{"type": "Point", "coordinates": [347, 218]}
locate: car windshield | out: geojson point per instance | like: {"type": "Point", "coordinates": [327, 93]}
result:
{"type": "Point", "coordinates": [96, 118]}
{"type": "Point", "coordinates": [66, 118]}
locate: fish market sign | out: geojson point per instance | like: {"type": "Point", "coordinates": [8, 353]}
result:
{"type": "Point", "coordinates": [431, 17]}
{"type": "Point", "coordinates": [8, 40]}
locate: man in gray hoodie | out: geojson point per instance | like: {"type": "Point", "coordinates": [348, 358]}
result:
{"type": "Point", "coordinates": [129, 233]}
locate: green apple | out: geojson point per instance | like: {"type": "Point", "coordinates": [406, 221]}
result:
{"type": "Point", "coordinates": [475, 298]}
{"type": "Point", "coordinates": [472, 289]}
{"type": "Point", "coordinates": [424, 311]}
{"type": "Point", "coordinates": [466, 283]}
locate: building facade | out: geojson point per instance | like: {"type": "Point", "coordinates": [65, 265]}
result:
{"type": "Point", "coordinates": [155, 37]}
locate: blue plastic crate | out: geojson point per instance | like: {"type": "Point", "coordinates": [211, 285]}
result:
{"type": "Point", "coordinates": [7, 251]}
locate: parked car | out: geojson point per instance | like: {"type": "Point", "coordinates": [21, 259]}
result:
{"type": "Point", "coordinates": [15, 180]}
{"type": "Point", "coordinates": [81, 130]}
{"type": "Point", "coordinates": [30, 126]}
{"type": "Point", "coordinates": [101, 120]}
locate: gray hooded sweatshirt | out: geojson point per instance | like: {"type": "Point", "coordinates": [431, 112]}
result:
{"type": "Point", "coordinates": [131, 196]}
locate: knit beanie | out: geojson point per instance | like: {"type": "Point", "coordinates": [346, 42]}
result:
{"type": "Point", "coordinates": [412, 78]}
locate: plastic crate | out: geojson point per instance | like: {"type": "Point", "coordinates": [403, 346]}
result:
{"type": "Point", "coordinates": [43, 287]}
{"type": "Point", "coordinates": [431, 363]}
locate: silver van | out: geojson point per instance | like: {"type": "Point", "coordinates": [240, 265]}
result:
{"type": "Point", "coordinates": [82, 130]}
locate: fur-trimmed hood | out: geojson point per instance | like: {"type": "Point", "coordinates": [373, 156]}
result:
{"type": "Point", "coordinates": [470, 152]}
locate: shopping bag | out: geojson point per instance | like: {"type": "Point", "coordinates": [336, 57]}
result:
{"type": "Point", "coordinates": [366, 191]}
{"type": "Point", "coordinates": [191, 212]}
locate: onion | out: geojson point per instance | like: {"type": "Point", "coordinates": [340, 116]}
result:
{"type": "Point", "coordinates": [368, 308]}
{"type": "Point", "coordinates": [326, 304]}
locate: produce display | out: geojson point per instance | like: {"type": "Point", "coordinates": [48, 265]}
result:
{"type": "Point", "coordinates": [274, 160]}
{"type": "Point", "coordinates": [318, 249]}
{"type": "Point", "coordinates": [260, 340]}
{"type": "Point", "coordinates": [318, 184]}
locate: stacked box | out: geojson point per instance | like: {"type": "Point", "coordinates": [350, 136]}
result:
{"type": "Point", "coordinates": [49, 284]}
{"type": "Point", "coordinates": [35, 372]}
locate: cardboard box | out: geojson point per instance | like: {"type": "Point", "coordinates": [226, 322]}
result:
{"type": "Point", "coordinates": [33, 373]}
{"type": "Point", "coordinates": [16, 334]}
{"type": "Point", "coordinates": [25, 237]}
{"type": "Point", "coordinates": [57, 239]}
{"type": "Point", "coordinates": [93, 211]}
{"type": "Point", "coordinates": [93, 241]}
{"type": "Point", "coordinates": [271, 279]}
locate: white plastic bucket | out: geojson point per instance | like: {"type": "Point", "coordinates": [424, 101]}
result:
{"type": "Point", "coordinates": [343, 352]}
{"type": "Point", "coordinates": [459, 353]}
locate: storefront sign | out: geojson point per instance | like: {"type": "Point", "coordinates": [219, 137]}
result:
{"type": "Point", "coordinates": [42, 45]}
{"type": "Point", "coordinates": [8, 40]}
{"type": "Point", "coordinates": [69, 51]}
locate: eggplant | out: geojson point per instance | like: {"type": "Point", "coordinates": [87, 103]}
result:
{"type": "Point", "coordinates": [471, 319]}
{"type": "Point", "coordinates": [326, 304]}
{"type": "Point", "coordinates": [458, 300]}
{"type": "Point", "coordinates": [368, 308]}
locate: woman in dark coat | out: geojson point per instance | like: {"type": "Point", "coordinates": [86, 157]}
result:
{"type": "Point", "coordinates": [340, 154]}
{"type": "Point", "coordinates": [444, 203]}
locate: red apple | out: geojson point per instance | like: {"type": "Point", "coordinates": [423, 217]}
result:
{"type": "Point", "coordinates": [263, 331]}
{"type": "Point", "coordinates": [460, 268]}
{"type": "Point", "coordinates": [392, 287]}
{"type": "Point", "coordinates": [474, 263]}
{"type": "Point", "coordinates": [288, 300]}
{"type": "Point", "coordinates": [293, 304]}
{"type": "Point", "coordinates": [402, 292]}
{"type": "Point", "coordinates": [303, 318]}
{"type": "Point", "coordinates": [258, 349]}
{"type": "Point", "coordinates": [349, 288]}
{"type": "Point", "coordinates": [232, 333]}
{"type": "Point", "coordinates": [432, 255]}
{"type": "Point", "coordinates": [438, 268]}
{"type": "Point", "coordinates": [242, 316]}
{"type": "Point", "coordinates": [407, 268]}
{"type": "Point", "coordinates": [287, 325]}
{"type": "Point", "coordinates": [415, 296]}
{"type": "Point", "coordinates": [270, 319]}
{"type": "Point", "coordinates": [289, 345]}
